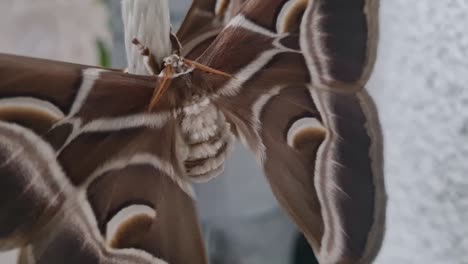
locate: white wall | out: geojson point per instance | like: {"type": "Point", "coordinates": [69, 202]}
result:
{"type": "Point", "coordinates": [55, 29]}
{"type": "Point", "coordinates": [421, 88]}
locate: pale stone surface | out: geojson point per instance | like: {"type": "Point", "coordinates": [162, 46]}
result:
{"type": "Point", "coordinates": [54, 29]}
{"type": "Point", "coordinates": [421, 88]}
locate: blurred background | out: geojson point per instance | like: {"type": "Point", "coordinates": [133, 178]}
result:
{"type": "Point", "coordinates": [420, 87]}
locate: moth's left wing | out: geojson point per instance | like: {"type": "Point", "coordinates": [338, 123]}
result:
{"type": "Point", "coordinates": [297, 100]}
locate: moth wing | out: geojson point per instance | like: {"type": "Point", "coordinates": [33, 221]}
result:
{"type": "Point", "coordinates": [203, 22]}
{"type": "Point", "coordinates": [297, 100]}
{"type": "Point", "coordinates": [76, 148]}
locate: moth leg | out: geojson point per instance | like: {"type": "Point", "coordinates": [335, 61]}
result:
{"type": "Point", "coordinates": [149, 61]}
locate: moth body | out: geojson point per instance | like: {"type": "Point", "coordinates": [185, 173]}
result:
{"type": "Point", "coordinates": [208, 137]}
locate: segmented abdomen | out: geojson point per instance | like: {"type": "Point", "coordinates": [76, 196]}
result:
{"type": "Point", "coordinates": [208, 137]}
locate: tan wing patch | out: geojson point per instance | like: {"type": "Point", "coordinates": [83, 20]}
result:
{"type": "Point", "coordinates": [290, 17]}
{"type": "Point", "coordinates": [304, 130]}
{"type": "Point", "coordinates": [130, 232]}
{"type": "Point", "coordinates": [36, 119]}
{"type": "Point", "coordinates": [34, 113]}
{"type": "Point", "coordinates": [221, 7]}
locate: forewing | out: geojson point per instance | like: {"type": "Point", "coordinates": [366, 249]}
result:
{"type": "Point", "coordinates": [77, 147]}
{"type": "Point", "coordinates": [297, 100]}
{"type": "Point", "coordinates": [203, 22]}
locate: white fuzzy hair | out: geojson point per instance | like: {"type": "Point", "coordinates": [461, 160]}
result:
{"type": "Point", "coordinates": [149, 21]}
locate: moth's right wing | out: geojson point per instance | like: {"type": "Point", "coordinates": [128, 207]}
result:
{"type": "Point", "coordinates": [77, 151]}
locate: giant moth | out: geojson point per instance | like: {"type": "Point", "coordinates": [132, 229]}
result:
{"type": "Point", "coordinates": [79, 144]}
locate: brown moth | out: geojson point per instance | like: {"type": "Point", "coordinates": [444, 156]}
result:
{"type": "Point", "coordinates": [79, 145]}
